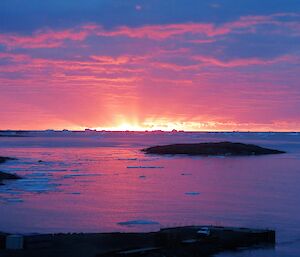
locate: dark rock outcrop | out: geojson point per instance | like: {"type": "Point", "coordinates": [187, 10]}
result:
{"type": "Point", "coordinates": [211, 149]}
{"type": "Point", "coordinates": [6, 176]}
{"type": "Point", "coordinates": [4, 159]}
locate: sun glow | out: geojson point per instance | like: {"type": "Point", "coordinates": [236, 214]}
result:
{"type": "Point", "coordinates": [170, 125]}
{"type": "Point", "coordinates": [123, 127]}
{"type": "Point", "coordinates": [154, 125]}
{"type": "Point", "coordinates": [128, 127]}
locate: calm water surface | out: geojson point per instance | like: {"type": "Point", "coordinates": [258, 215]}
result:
{"type": "Point", "coordinates": [94, 183]}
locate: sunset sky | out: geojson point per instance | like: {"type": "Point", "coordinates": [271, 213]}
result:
{"type": "Point", "coordinates": [150, 64]}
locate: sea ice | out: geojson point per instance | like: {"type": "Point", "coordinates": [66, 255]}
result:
{"type": "Point", "coordinates": [192, 193]}
{"type": "Point", "coordinates": [127, 159]}
{"type": "Point", "coordinates": [145, 167]}
{"type": "Point", "coordinates": [80, 175]}
{"type": "Point", "coordinates": [13, 200]}
{"type": "Point", "coordinates": [40, 174]}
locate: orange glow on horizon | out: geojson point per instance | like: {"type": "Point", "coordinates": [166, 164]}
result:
{"type": "Point", "coordinates": [211, 126]}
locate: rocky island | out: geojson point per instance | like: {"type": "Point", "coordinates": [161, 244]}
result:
{"type": "Point", "coordinates": [5, 176]}
{"type": "Point", "coordinates": [211, 149]}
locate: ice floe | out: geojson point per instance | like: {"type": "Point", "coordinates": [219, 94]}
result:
{"type": "Point", "coordinates": [80, 175]}
{"type": "Point", "coordinates": [145, 167]}
{"type": "Point", "coordinates": [13, 200]}
{"type": "Point", "coordinates": [127, 159]}
{"type": "Point", "coordinates": [192, 193]}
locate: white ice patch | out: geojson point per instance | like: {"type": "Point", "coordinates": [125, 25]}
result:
{"type": "Point", "coordinates": [145, 167]}
{"type": "Point", "coordinates": [39, 174]}
{"type": "Point", "coordinates": [127, 159]}
{"type": "Point", "coordinates": [148, 159]}
{"type": "Point", "coordinates": [13, 200]}
{"type": "Point", "coordinates": [192, 193]}
{"type": "Point", "coordinates": [80, 175]}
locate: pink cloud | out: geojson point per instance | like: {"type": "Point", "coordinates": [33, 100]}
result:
{"type": "Point", "coordinates": [54, 39]}
{"type": "Point", "coordinates": [14, 57]}
{"type": "Point", "coordinates": [120, 60]}
{"type": "Point", "coordinates": [42, 39]}
{"type": "Point", "coordinates": [160, 32]}
{"type": "Point", "coordinates": [246, 61]}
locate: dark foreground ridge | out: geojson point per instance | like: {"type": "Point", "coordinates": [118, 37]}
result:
{"type": "Point", "coordinates": [210, 149]}
{"type": "Point", "coordinates": [5, 176]}
{"type": "Point", "coordinates": [179, 242]}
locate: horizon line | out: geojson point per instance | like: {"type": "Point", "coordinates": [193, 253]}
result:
{"type": "Point", "coordinates": [146, 130]}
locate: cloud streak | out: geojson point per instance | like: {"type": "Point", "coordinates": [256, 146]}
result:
{"type": "Point", "coordinates": [57, 38]}
{"type": "Point", "coordinates": [189, 75]}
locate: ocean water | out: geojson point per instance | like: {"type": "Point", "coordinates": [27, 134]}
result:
{"type": "Point", "coordinates": [102, 182]}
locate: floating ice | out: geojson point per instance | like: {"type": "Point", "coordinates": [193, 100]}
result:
{"type": "Point", "coordinates": [192, 193]}
{"type": "Point", "coordinates": [13, 192]}
{"type": "Point", "coordinates": [145, 167]}
{"type": "Point", "coordinates": [138, 222]}
{"type": "Point", "coordinates": [40, 174]}
{"type": "Point", "coordinates": [127, 159]}
{"type": "Point", "coordinates": [294, 134]}
{"type": "Point", "coordinates": [43, 188]}
{"type": "Point", "coordinates": [56, 170]}
{"type": "Point", "coordinates": [80, 175]}
{"type": "Point", "coordinates": [148, 159]}
{"type": "Point", "coordinates": [34, 180]}
{"type": "Point", "coordinates": [13, 200]}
